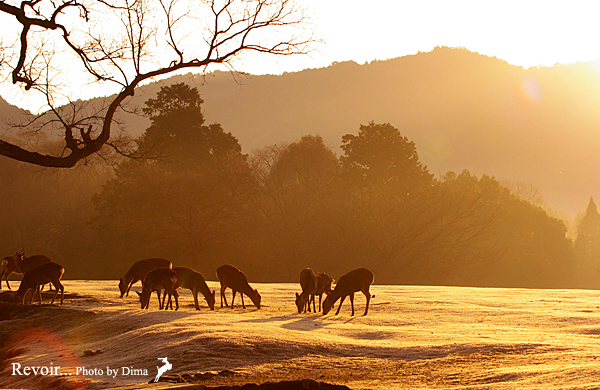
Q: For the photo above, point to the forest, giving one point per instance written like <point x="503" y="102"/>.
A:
<point x="189" y="194"/>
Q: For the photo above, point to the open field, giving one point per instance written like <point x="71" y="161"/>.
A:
<point x="414" y="337"/>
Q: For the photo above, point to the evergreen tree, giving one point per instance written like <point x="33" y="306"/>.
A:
<point x="191" y="201"/>
<point x="379" y="154"/>
<point x="587" y="246"/>
<point x="178" y="134"/>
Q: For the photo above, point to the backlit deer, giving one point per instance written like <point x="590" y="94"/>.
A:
<point x="308" y="282"/>
<point x="192" y="280"/>
<point x="156" y="280"/>
<point x="40" y="275"/>
<point x="358" y="280"/>
<point x="137" y="272"/>
<point x="20" y="264"/>
<point x="236" y="280"/>
<point x="324" y="283"/>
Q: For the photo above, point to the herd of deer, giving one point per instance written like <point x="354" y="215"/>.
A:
<point x="158" y="275"/>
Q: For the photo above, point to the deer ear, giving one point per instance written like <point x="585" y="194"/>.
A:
<point x="297" y="296"/>
<point x="213" y="293"/>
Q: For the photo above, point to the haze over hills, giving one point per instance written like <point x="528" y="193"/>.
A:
<point x="463" y="110"/>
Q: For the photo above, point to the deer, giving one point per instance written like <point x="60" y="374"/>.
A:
<point x="358" y="280"/>
<point x="163" y="278"/>
<point x="308" y="282"/>
<point x="192" y="280"/>
<point x="20" y="264"/>
<point x="324" y="283"/>
<point x="40" y="275"/>
<point x="137" y="272"/>
<point x="231" y="277"/>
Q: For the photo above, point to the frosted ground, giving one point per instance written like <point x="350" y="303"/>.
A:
<point x="413" y="338"/>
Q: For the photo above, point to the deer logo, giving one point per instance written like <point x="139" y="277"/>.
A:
<point x="163" y="369"/>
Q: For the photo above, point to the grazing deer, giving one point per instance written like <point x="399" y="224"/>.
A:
<point x="159" y="279"/>
<point x="236" y="280"/>
<point x="137" y="272"/>
<point x="40" y="275"/>
<point x="308" y="282"/>
<point x="20" y="264"/>
<point x="192" y="280"/>
<point x="358" y="280"/>
<point x="324" y="283"/>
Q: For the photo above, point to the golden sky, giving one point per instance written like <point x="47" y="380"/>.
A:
<point x="523" y="32"/>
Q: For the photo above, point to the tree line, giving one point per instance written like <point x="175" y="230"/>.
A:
<point x="190" y="195"/>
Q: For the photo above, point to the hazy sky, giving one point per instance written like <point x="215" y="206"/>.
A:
<point x="524" y="32"/>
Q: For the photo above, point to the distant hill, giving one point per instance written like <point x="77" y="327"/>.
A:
<point x="8" y="112"/>
<point x="463" y="110"/>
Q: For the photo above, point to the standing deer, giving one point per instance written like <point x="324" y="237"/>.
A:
<point x="236" y="280"/>
<point x="324" y="283"/>
<point x="358" y="280"/>
<point x="20" y="264"/>
<point x="40" y="275"/>
<point x="308" y="282"/>
<point x="192" y="280"/>
<point x="137" y="272"/>
<point x="159" y="279"/>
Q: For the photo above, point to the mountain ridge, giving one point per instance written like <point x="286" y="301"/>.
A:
<point x="462" y="109"/>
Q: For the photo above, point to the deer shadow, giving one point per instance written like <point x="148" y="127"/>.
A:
<point x="294" y="321"/>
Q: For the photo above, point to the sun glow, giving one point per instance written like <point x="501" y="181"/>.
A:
<point x="528" y="34"/>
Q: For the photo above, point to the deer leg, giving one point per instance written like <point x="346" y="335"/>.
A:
<point x="195" y="294"/>
<point x="163" y="299"/>
<point x="313" y="301"/>
<point x="33" y="290"/>
<point x="233" y="297"/>
<point x="39" y="291"/>
<point x="352" y="303"/>
<point x="4" y="275"/>
<point x="129" y="287"/>
<point x="340" y="306"/>
<point x="56" y="293"/>
<point x="169" y="301"/>
<point x="159" y="302"/>
<point x="243" y="306"/>
<point x="320" y="296"/>
<point x="176" y="295"/>
<point x="62" y="292"/>
<point x="368" y="295"/>
<point x="223" y="297"/>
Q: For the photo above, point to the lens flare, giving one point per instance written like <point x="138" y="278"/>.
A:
<point x="55" y="342"/>
<point x="531" y="90"/>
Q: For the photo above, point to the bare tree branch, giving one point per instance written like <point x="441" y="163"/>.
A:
<point x="120" y="42"/>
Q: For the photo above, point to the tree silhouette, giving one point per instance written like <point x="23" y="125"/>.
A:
<point x="379" y="154"/>
<point x="177" y="133"/>
<point x="122" y="43"/>
<point x="193" y="198"/>
<point x="587" y="246"/>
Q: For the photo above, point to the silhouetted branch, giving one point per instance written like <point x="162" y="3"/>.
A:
<point x="131" y="53"/>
